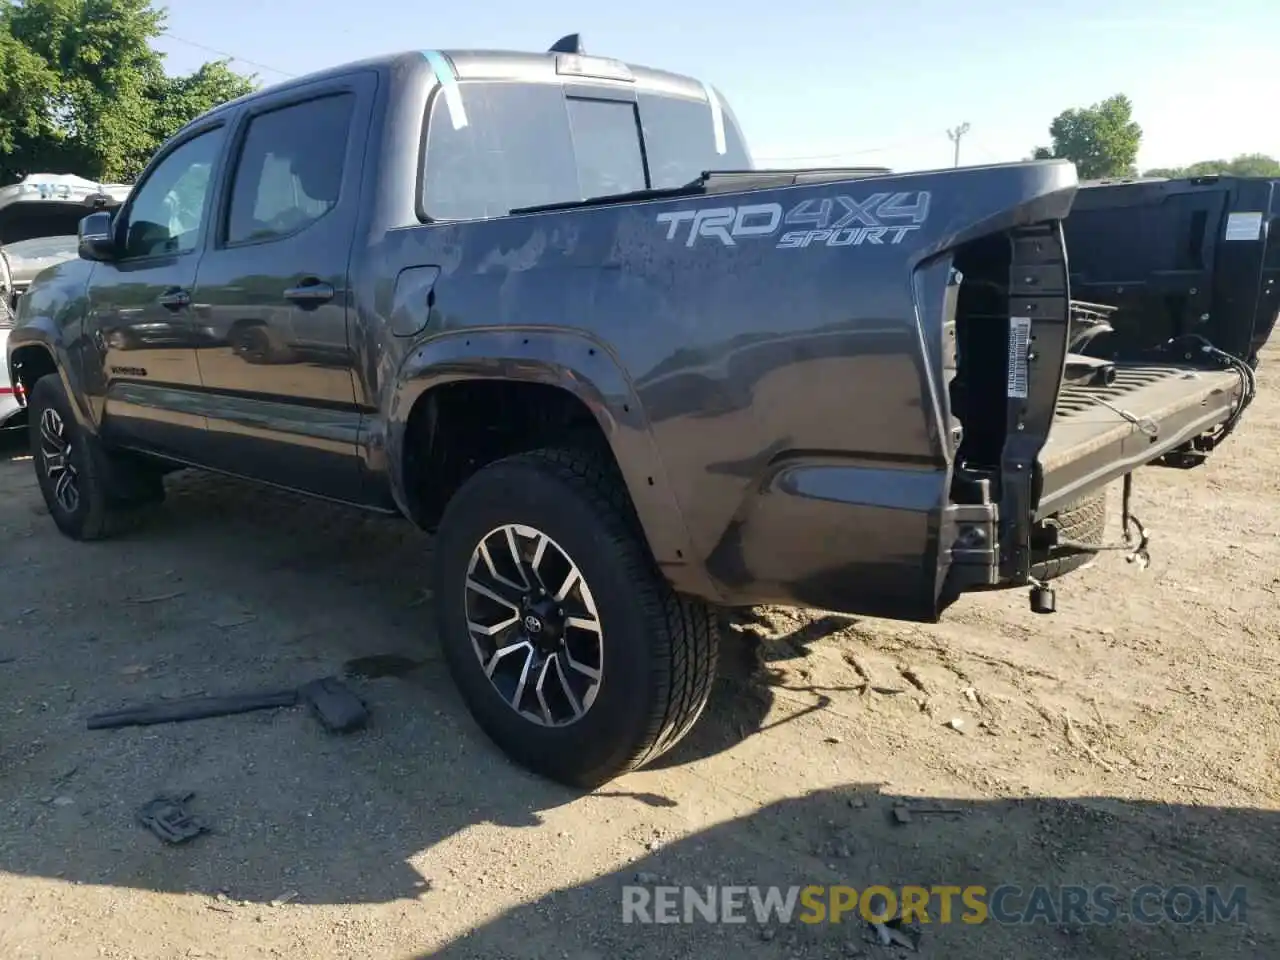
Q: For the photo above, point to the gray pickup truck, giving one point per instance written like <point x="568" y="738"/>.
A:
<point x="542" y="305"/>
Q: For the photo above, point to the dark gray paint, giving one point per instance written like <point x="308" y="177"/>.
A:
<point x="780" y="416"/>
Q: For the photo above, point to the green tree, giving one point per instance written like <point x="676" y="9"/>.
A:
<point x="82" y="89"/>
<point x="27" y="120"/>
<point x="182" y="99"/>
<point x="1245" y="165"/>
<point x="1101" y="140"/>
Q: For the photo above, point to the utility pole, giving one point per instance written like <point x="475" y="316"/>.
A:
<point x="955" y="135"/>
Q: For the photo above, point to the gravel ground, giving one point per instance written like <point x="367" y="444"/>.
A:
<point x="1132" y="738"/>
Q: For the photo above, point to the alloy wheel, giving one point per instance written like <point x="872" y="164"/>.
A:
<point x="534" y="625"/>
<point x="55" y="453"/>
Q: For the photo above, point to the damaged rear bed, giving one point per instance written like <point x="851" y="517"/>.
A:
<point x="1054" y="398"/>
<point x="1183" y="279"/>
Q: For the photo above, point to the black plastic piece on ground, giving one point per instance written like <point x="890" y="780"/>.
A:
<point x="196" y="708"/>
<point x="1043" y="600"/>
<point x="166" y="817"/>
<point x="334" y="705"/>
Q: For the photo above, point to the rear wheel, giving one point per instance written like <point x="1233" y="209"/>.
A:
<point x="570" y="649"/>
<point x="89" y="493"/>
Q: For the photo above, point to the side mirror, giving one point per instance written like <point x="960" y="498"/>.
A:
<point x="96" y="236"/>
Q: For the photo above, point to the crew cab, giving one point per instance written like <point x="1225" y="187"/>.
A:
<point x="543" y="305"/>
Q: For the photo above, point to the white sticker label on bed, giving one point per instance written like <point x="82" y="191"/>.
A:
<point x="1019" y="346"/>
<point x="1244" y="226"/>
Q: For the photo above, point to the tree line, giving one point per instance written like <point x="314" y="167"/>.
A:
<point x="1102" y="140"/>
<point x="84" y="91"/>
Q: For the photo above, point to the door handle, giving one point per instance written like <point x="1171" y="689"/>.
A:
<point x="175" y="298"/>
<point x="310" y="293"/>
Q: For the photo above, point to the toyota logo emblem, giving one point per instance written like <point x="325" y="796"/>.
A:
<point x="532" y="624"/>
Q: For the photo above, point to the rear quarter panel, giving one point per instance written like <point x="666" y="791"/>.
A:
<point x="789" y="389"/>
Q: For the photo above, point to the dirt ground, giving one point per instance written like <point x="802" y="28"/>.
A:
<point x="1131" y="738"/>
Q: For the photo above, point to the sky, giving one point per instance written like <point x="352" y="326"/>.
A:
<point x="812" y="83"/>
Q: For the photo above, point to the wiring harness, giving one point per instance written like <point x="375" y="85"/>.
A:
<point x="1136" y="539"/>
<point x="1248" y="380"/>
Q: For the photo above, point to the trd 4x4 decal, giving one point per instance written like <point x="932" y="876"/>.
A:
<point x="837" y="221"/>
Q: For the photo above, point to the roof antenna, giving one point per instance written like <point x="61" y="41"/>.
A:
<point x="570" y="43"/>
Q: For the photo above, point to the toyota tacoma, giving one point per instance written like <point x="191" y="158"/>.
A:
<point x="542" y="305"/>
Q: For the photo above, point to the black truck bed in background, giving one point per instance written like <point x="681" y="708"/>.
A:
<point x="1179" y="264"/>
<point x="1195" y="256"/>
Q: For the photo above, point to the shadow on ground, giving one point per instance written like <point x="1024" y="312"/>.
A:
<point x="852" y="837"/>
<point x="742" y="699"/>
<point x="13" y="442"/>
<point x="233" y="588"/>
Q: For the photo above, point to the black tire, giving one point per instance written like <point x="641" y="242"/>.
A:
<point x="110" y="491"/>
<point x="660" y="649"/>
<point x="1082" y="521"/>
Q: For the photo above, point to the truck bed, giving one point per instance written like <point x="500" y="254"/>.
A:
<point x="1093" y="441"/>
<point x="1198" y="255"/>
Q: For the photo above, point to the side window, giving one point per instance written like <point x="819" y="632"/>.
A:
<point x="679" y="138"/>
<point x="606" y="142"/>
<point x="289" y="172"/>
<point x="515" y="150"/>
<point x="168" y="208"/>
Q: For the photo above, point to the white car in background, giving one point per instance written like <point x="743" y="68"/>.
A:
<point x="38" y="220"/>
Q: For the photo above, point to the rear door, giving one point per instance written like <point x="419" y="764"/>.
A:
<point x="273" y="293"/>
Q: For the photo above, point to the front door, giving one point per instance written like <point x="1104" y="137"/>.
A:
<point x="273" y="293"/>
<point x="140" y="323"/>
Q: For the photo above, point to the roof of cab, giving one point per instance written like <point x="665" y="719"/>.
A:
<point x="484" y="65"/>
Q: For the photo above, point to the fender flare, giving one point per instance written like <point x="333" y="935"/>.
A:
<point x="586" y="368"/>
<point x="37" y="336"/>
<point x="54" y="315"/>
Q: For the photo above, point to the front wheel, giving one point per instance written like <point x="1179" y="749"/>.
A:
<point x="89" y="494"/>
<point x="570" y="649"/>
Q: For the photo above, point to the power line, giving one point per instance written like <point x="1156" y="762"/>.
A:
<point x="228" y="56"/>
<point x="843" y="154"/>
<point x="992" y="155"/>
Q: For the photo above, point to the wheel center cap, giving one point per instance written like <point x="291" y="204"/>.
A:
<point x="542" y="623"/>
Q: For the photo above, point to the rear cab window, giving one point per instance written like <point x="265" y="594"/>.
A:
<point x="680" y="140"/>
<point x="606" y="146"/>
<point x="527" y="144"/>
